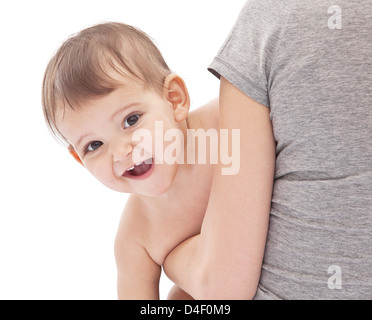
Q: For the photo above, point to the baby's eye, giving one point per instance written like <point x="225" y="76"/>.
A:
<point x="92" y="146"/>
<point x="131" y="120"/>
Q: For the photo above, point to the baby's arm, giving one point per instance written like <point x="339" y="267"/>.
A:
<point x="137" y="274"/>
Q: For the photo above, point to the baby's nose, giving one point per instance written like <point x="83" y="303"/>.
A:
<point x="121" y="150"/>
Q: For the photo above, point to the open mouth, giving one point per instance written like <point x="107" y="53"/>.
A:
<point x="139" y="170"/>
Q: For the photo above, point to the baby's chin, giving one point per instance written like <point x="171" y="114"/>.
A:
<point x="160" y="182"/>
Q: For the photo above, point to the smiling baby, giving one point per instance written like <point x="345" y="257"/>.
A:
<point x="106" y="93"/>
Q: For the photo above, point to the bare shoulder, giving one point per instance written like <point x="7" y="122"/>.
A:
<point x="206" y="116"/>
<point x="131" y="230"/>
<point x="137" y="274"/>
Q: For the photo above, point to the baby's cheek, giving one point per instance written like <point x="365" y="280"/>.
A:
<point x="100" y="170"/>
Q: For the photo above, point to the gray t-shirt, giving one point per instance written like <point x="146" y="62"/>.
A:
<point x="311" y="63"/>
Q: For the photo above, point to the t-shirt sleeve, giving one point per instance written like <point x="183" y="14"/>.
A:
<point x="248" y="54"/>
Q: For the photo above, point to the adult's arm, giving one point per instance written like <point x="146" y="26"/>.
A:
<point x="224" y="260"/>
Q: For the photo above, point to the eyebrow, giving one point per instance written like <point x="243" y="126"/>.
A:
<point x="122" y="109"/>
<point x="111" y="118"/>
<point x="81" y="139"/>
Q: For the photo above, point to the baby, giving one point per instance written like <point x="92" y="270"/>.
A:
<point x="111" y="98"/>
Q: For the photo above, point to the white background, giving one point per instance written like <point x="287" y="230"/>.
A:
<point x="57" y="223"/>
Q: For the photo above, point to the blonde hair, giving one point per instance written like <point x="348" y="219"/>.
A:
<point x="92" y="64"/>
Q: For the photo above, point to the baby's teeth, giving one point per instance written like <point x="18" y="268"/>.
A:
<point x="149" y="161"/>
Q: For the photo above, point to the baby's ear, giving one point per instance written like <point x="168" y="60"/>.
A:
<point x="177" y="94"/>
<point x="72" y="151"/>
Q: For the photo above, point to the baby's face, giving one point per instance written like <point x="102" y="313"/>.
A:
<point x="101" y="133"/>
